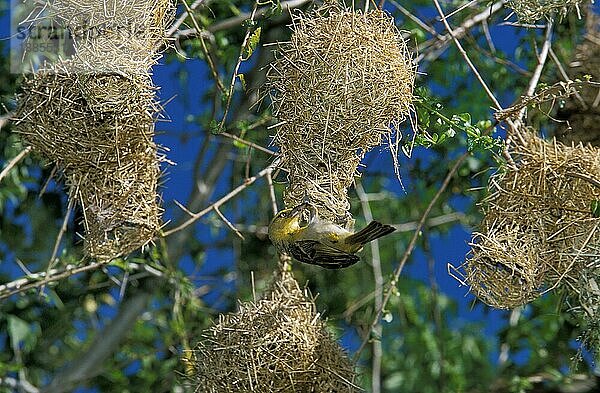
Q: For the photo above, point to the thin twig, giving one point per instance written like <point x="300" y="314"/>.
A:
<point x="228" y="223"/>
<point x="415" y="19"/>
<point x="14" y="161"/>
<point x="195" y="216"/>
<point x="462" y="7"/>
<point x="378" y="278"/>
<point x="63" y="229"/>
<point x="566" y="78"/>
<point x="272" y="193"/>
<point x="248" y="143"/>
<point x="431" y="49"/>
<point x="209" y="59"/>
<point x="173" y="28"/>
<point x="249" y="31"/>
<point x="466" y="56"/>
<point x="488" y="36"/>
<point x="239" y="19"/>
<point x="537" y="73"/>
<point x="409" y="249"/>
<point x="36" y="280"/>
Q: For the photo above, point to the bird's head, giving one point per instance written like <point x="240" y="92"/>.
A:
<point x="288" y="222"/>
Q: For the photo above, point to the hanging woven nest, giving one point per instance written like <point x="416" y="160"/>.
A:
<point x="93" y="116"/>
<point x="339" y="87"/>
<point x="531" y="11"/>
<point x="275" y="344"/>
<point x="540" y="227"/>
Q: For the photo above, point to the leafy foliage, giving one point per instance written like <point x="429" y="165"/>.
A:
<point x="432" y="339"/>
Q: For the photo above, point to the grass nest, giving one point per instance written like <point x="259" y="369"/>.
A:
<point x="134" y="22"/>
<point x="339" y="87"/>
<point x="540" y="226"/>
<point x="275" y="344"/>
<point x="93" y="116"/>
<point x="531" y="11"/>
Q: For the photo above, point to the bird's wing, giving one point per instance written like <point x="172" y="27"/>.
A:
<point x="316" y="253"/>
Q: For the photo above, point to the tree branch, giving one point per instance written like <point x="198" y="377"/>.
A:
<point x="14" y="161"/>
<point x="90" y="365"/>
<point x="409" y="249"/>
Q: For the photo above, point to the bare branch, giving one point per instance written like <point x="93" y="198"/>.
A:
<point x="36" y="280"/>
<point x="466" y="56"/>
<point x="248" y="143"/>
<point x="537" y="73"/>
<point x="209" y="59"/>
<point x="433" y="48"/>
<point x="173" y="28"/>
<point x="14" y="161"/>
<point x="60" y="235"/>
<point x="236" y="21"/>
<point x="228" y="223"/>
<point x="409" y="249"/>
<point x="378" y="277"/>
<point x="418" y="21"/>
<point x="18" y="385"/>
<point x="566" y="78"/>
<point x="195" y="216"/>
<point x="234" y="76"/>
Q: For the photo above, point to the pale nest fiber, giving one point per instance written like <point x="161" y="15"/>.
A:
<point x="539" y="229"/>
<point x="275" y="344"/>
<point x="93" y="116"/>
<point x="340" y="86"/>
<point x="531" y="11"/>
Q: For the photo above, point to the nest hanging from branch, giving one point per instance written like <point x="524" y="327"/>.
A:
<point x="540" y="228"/>
<point x="531" y="11"/>
<point x="276" y="344"/>
<point x="93" y="116"/>
<point x="339" y="87"/>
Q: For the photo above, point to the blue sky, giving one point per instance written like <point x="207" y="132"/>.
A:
<point x="184" y="98"/>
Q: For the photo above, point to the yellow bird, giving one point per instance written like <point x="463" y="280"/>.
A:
<point x="306" y="237"/>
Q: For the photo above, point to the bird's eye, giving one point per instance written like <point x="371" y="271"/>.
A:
<point x="283" y="214"/>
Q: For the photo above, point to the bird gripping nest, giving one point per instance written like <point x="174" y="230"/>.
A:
<point x="340" y="86"/>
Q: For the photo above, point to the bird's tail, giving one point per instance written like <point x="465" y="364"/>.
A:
<point x="369" y="233"/>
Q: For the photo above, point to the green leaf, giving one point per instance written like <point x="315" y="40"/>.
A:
<point x="243" y="80"/>
<point x="596" y="208"/>
<point x="18" y="330"/>
<point x="251" y="44"/>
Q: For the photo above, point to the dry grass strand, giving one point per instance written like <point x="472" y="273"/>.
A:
<point x="275" y="344"/>
<point x="338" y="87"/>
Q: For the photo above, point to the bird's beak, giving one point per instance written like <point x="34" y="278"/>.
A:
<point x="299" y="208"/>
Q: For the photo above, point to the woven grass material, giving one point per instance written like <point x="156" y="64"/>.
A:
<point x="583" y="119"/>
<point x="339" y="87"/>
<point x="539" y="230"/>
<point x="275" y="344"/>
<point x="135" y="22"/>
<point x="531" y="11"/>
<point x="93" y="116"/>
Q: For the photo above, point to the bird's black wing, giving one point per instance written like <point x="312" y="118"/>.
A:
<point x="316" y="253"/>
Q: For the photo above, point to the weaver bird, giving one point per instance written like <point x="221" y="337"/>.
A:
<point x="306" y="237"/>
